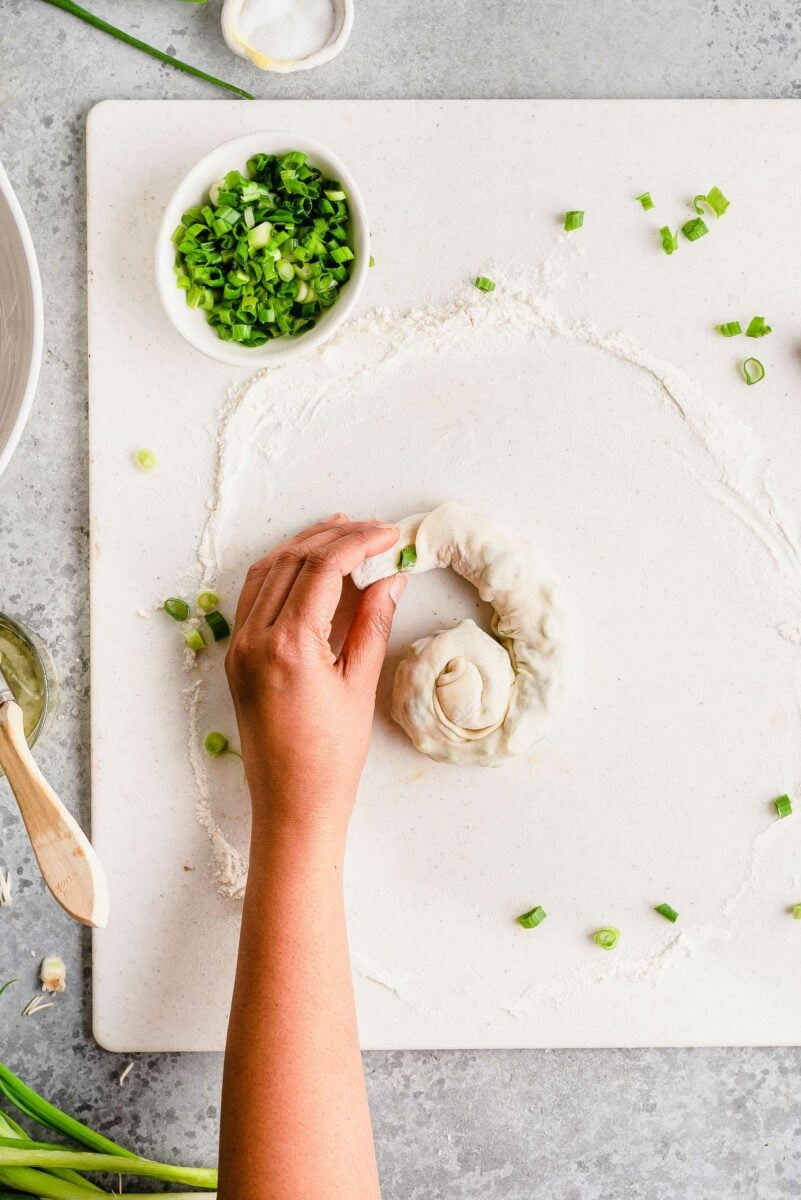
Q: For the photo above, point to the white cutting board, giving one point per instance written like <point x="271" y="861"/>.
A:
<point x="681" y="723"/>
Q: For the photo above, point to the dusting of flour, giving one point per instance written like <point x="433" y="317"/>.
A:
<point x="259" y="418"/>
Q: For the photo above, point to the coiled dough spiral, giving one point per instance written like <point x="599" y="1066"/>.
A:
<point x="461" y="695"/>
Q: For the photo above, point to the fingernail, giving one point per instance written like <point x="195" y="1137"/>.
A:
<point x="398" y="587"/>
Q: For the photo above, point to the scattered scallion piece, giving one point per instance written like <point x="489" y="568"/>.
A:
<point x="372" y="261"/>
<point x="215" y="744"/>
<point x="531" y="919"/>
<point x="218" y="625"/>
<point x="607" y="937"/>
<point x="729" y="328"/>
<point x="407" y="558"/>
<point x="177" y="609"/>
<point x="797" y="912"/>
<point x="194" y="640"/>
<point x="753" y="371"/>
<point x="98" y="23"/>
<point x="757" y="328"/>
<point x="666" y="911"/>
<point x="483" y="284"/>
<point x="670" y="241"/>
<point x="268" y="252"/>
<point x="574" y="219"/>
<point x="208" y="601"/>
<point x="694" y="229"/>
<point x="714" y="200"/>
<point x="145" y="460"/>
<point x="784" y="806"/>
<point x="646" y="201"/>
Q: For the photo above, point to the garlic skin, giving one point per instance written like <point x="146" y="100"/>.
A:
<point x="287" y="35"/>
<point x="53" y="974"/>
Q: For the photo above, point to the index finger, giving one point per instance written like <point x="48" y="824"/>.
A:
<point x="314" y="597"/>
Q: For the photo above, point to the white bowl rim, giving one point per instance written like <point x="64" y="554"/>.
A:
<point x="25" y="402"/>
<point x="193" y="182"/>
<point x="317" y="58"/>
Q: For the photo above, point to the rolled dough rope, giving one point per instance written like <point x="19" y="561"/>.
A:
<point x="461" y="695"/>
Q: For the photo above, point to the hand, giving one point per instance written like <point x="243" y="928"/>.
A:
<point x="304" y="715"/>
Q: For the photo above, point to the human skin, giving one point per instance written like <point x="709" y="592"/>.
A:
<point x="295" y="1120"/>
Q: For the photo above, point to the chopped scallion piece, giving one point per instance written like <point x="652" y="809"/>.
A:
<point x="177" y="609"/>
<point x="757" y="328"/>
<point x="372" y="261"/>
<point x="797" y="912"/>
<point x="145" y="460"/>
<point x="208" y="601"/>
<point x="784" y="806"/>
<point x="574" y="219"/>
<point x="753" y="371"/>
<point x="407" y="558"/>
<point x="694" y="229"/>
<point x="531" y="919"/>
<point x="607" y="937"/>
<point x="646" y="201"/>
<point x="666" y="911"/>
<point x="670" y="241"/>
<point x="729" y="328"/>
<point x="218" y="625"/>
<point x="483" y="284"/>
<point x="714" y="200"/>
<point x="194" y="639"/>
<point x="215" y="744"/>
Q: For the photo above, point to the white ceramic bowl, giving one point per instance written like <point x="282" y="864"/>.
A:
<point x="21" y="321"/>
<point x="235" y="25"/>
<point x="192" y="190"/>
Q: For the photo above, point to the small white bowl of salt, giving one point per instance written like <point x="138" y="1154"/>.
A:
<point x="287" y="35"/>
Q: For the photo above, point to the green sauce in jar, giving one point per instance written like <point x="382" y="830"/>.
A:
<point x="23" y="666"/>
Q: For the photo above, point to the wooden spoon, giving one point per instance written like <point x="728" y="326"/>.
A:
<point x="68" y="863"/>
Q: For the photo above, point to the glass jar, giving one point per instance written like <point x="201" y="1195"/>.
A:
<point x="29" y="669"/>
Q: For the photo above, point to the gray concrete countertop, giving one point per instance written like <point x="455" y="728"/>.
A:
<point x="650" y="1125"/>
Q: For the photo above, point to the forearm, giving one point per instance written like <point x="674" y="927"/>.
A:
<point x="295" y="1120"/>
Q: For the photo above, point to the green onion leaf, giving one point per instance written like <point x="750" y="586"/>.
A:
<point x="714" y="200"/>
<point x="670" y="241"/>
<point x="694" y="229"/>
<point x="84" y="15"/>
<point x="757" y="328"/>
<point x="207" y="601"/>
<point x="145" y="459"/>
<point x="666" y="911"/>
<point x="7" y="985"/>
<point x="753" y="371"/>
<point x="531" y="919"/>
<point x="407" y="558"/>
<point x="784" y="806"/>
<point x="483" y="284"/>
<point x="194" y="640"/>
<point x="607" y="937"/>
<point x="177" y="609"/>
<point x="729" y="328"/>
<point x="574" y="219"/>
<point x="646" y="201"/>
<point x="218" y="625"/>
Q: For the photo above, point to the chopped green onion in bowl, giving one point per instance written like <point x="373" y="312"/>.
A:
<point x="145" y="460"/>
<point x="713" y="200"/>
<point x="729" y="328"/>
<point x="646" y="201"/>
<point x="670" y="240"/>
<point x="574" y="219"/>
<point x="266" y="253"/>
<point x="694" y="229"/>
<point x="784" y="806"/>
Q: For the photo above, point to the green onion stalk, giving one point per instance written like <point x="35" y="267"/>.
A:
<point x="53" y="1171"/>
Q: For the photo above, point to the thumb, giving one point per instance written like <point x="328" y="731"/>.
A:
<point x="366" y="643"/>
